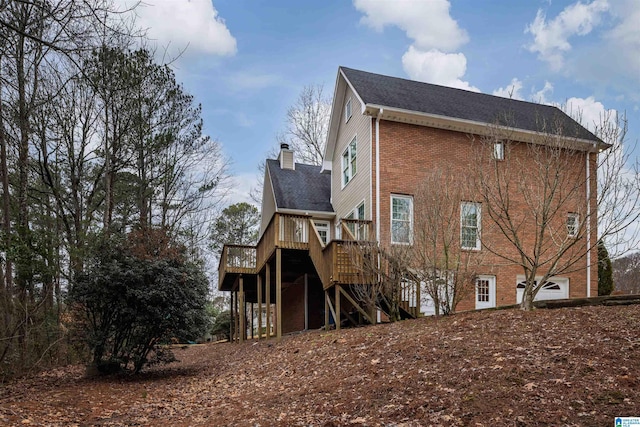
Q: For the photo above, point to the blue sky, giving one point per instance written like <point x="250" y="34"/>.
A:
<point x="247" y="60"/>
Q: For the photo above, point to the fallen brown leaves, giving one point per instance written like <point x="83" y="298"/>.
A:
<point x="573" y="367"/>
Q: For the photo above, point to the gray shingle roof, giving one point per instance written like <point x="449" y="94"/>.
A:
<point x="304" y="188"/>
<point x="428" y="98"/>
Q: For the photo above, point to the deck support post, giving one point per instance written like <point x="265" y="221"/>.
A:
<point x="337" y="298"/>
<point x="279" y="293"/>
<point x="418" y="296"/>
<point x="236" y="324"/>
<point x="374" y="311"/>
<point x="267" y="278"/>
<point x="259" y="279"/>
<point x="243" y="314"/>
<point x="232" y="329"/>
<point x="252" y="326"/>
<point x="327" y="301"/>
<point x="326" y="310"/>
<point x="306" y="301"/>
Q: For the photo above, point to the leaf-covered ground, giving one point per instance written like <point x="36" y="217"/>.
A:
<point x="573" y="366"/>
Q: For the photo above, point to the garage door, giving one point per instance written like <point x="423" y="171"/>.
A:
<point x="555" y="288"/>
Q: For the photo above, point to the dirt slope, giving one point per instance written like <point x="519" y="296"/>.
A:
<point x="577" y="366"/>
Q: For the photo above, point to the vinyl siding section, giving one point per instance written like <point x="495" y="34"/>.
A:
<point x="268" y="201"/>
<point x="357" y="190"/>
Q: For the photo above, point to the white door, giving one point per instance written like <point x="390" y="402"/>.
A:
<point x="555" y="288"/>
<point x="427" y="307"/>
<point x="485" y="292"/>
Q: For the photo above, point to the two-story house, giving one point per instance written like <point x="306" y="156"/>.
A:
<point x="386" y="134"/>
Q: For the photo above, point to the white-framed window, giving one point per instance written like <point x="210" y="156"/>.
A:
<point x="347" y="110"/>
<point x="349" y="162"/>
<point x="573" y="223"/>
<point x="401" y="219"/>
<point x="470" y="216"/>
<point x="498" y="150"/>
<point x="323" y="230"/>
<point x="485" y="291"/>
<point x="359" y="232"/>
<point x="359" y="212"/>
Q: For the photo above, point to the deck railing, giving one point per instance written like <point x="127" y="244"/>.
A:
<point x="350" y="262"/>
<point x="237" y="259"/>
<point x="410" y="297"/>
<point x="284" y="231"/>
<point x="317" y="255"/>
<point x="356" y="229"/>
<point x="335" y="262"/>
<point x="340" y="261"/>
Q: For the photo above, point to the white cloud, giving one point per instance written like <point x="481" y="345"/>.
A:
<point x="428" y="22"/>
<point x="194" y="25"/>
<point x="437" y="67"/>
<point x="513" y="90"/>
<point x="551" y="38"/>
<point x="541" y="96"/>
<point x="589" y="112"/>
<point x="241" y="186"/>
<point x="435" y="35"/>
<point x="625" y="36"/>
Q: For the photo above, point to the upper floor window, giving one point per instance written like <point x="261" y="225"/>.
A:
<point x="349" y="163"/>
<point x="401" y="219"/>
<point x="347" y="110"/>
<point x="470" y="225"/>
<point x="357" y="229"/>
<point x="360" y="211"/>
<point x="573" y="223"/>
<point x="498" y="150"/>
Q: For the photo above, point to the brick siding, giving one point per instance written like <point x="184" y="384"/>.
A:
<point x="407" y="154"/>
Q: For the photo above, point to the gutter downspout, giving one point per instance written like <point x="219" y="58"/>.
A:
<point x="380" y="111"/>
<point x="588" y="226"/>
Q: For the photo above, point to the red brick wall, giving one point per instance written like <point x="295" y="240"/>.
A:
<point x="293" y="305"/>
<point x="293" y="308"/>
<point x="407" y="154"/>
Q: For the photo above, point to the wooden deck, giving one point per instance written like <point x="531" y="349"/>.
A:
<point x="333" y="262"/>
<point x="291" y="248"/>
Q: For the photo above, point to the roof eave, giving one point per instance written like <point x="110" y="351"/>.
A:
<point x="312" y="213"/>
<point x="469" y="126"/>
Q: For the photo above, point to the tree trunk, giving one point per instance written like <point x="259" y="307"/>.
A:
<point x="527" y="298"/>
<point x="22" y="228"/>
<point x="7" y="279"/>
<point x="106" y="223"/>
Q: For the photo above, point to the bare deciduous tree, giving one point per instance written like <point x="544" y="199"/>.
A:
<point x="547" y="202"/>
<point x="626" y="270"/>
<point x="384" y="276"/>
<point x="307" y="125"/>
<point x="438" y="261"/>
<point x="306" y="128"/>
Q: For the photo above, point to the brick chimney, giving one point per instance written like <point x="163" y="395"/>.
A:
<point x="286" y="157"/>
